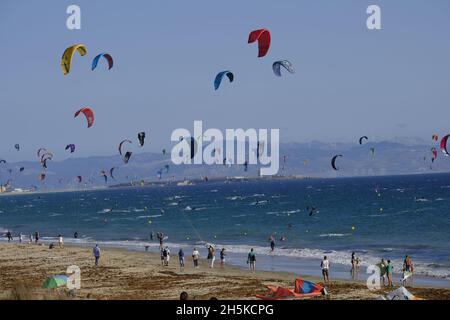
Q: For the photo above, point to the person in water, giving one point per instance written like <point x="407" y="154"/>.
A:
<point x="272" y="243"/>
<point x="75" y="235"/>
<point x="251" y="260"/>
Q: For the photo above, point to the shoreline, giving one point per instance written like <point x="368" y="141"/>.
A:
<point x="126" y="274"/>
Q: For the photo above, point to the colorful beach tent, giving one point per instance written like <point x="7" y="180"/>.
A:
<point x="399" y="294"/>
<point x="303" y="289"/>
<point x="55" y="282"/>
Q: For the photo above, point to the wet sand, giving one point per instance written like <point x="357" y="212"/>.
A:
<point x="126" y="274"/>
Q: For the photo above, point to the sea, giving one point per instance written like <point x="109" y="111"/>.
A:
<point x="375" y="217"/>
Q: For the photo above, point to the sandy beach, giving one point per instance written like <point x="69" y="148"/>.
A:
<point x="126" y="274"/>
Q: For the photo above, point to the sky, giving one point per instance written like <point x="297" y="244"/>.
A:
<point x="349" y="81"/>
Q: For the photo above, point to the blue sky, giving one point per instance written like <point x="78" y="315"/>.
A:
<point x="349" y="81"/>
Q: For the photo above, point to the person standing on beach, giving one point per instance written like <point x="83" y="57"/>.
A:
<point x="251" y="259"/>
<point x="389" y="271"/>
<point x="325" y="265"/>
<point x="353" y="262"/>
<point x="96" y="252"/>
<point x="9" y="236"/>
<point x="181" y="257"/>
<point x="20" y="237"/>
<point x="211" y="256"/>
<point x="222" y="257"/>
<point x="60" y="241"/>
<point x="31" y="239"/>
<point x="382" y="266"/>
<point x="195" y="255"/>
<point x="36" y="237"/>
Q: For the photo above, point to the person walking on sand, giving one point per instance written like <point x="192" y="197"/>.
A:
<point x="389" y="272"/>
<point x="211" y="256"/>
<point x="20" y="237"/>
<point x="161" y="251"/>
<point x="60" y="241"/>
<point x="96" y="252"/>
<point x="251" y="259"/>
<point x="195" y="255"/>
<point x="325" y="265"/>
<point x="166" y="253"/>
<point x="36" y="237"/>
<point x="222" y="257"/>
<point x="181" y="257"/>
<point x="31" y="239"/>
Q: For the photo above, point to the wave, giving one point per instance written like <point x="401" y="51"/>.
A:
<point x="332" y="235"/>
<point x="149" y="216"/>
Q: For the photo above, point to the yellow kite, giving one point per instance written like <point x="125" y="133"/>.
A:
<point x="66" y="60"/>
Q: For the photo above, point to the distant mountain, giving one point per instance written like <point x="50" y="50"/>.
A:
<point x="296" y="159"/>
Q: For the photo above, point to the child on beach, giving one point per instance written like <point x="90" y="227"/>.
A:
<point x="195" y="255"/>
<point x="325" y="265"/>
<point x="251" y="259"/>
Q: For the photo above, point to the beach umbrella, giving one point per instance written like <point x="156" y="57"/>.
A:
<point x="55" y="282"/>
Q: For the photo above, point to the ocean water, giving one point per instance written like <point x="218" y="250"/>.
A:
<point x="376" y="217"/>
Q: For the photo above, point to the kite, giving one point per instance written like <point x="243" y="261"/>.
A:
<point x="333" y="161"/>
<point x="263" y="37"/>
<point x="106" y="56"/>
<point x="121" y="143"/>
<point x="79" y="179"/>
<point x="444" y="145"/>
<point x="88" y="113"/>
<point x="435" y="137"/>
<point x="103" y="174"/>
<point x="21" y="169"/>
<point x="111" y="171"/>
<point x="141" y="138"/>
<point x="276" y="67"/>
<point x="127" y="157"/>
<point x="362" y="138"/>
<point x="17" y="146"/>
<point x="219" y="77"/>
<point x="435" y="154"/>
<point x="71" y="147"/>
<point x="42" y="176"/>
<point x="66" y="60"/>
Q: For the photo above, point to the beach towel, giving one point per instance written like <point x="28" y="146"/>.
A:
<point x="303" y="289"/>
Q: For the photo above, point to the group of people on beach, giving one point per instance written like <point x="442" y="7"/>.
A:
<point x="21" y="238"/>
<point x="387" y="270"/>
